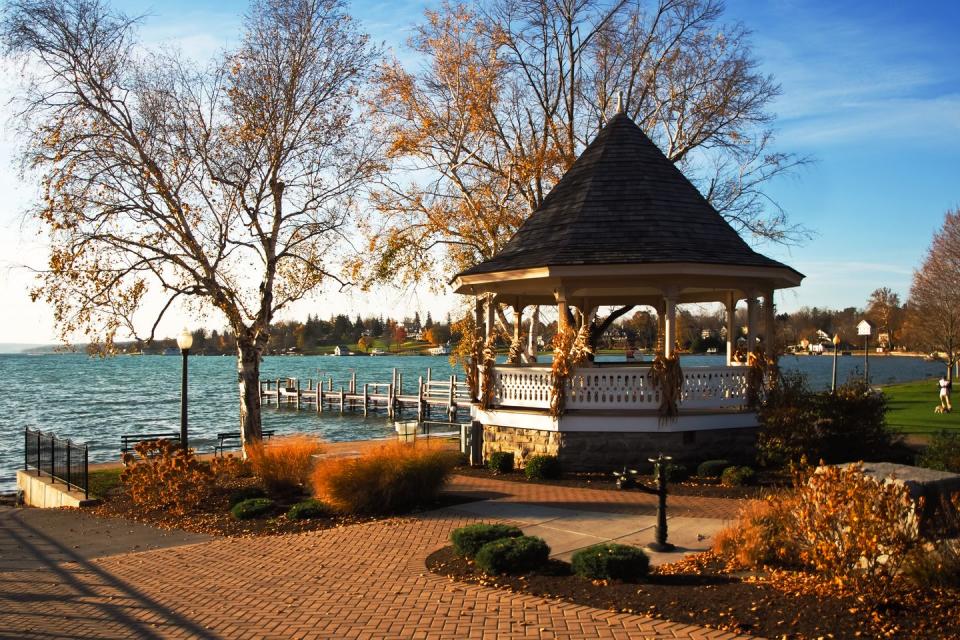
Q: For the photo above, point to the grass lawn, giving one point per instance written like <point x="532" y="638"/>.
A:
<point x="101" y="481"/>
<point x="911" y="406"/>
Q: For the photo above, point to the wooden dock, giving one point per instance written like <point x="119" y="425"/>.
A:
<point x="430" y="398"/>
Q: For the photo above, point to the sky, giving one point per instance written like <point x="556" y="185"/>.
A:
<point x="870" y="90"/>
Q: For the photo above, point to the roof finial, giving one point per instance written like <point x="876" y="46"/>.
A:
<point x="619" y="100"/>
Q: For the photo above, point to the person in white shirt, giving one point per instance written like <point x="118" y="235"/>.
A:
<point x="945" y="387"/>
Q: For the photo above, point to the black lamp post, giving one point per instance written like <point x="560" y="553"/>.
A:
<point x="184" y="341"/>
<point x="836" y="348"/>
<point x="660" y="536"/>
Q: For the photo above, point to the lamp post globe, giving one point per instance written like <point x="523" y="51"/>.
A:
<point x="184" y="341"/>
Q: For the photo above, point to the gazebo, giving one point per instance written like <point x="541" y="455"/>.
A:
<point x="622" y="227"/>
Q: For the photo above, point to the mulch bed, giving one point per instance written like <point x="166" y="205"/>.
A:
<point x="216" y="519"/>
<point x="698" y="487"/>
<point x="699" y="590"/>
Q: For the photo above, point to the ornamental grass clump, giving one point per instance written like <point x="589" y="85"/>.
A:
<point x="468" y="540"/>
<point x="610" y="562"/>
<point x="164" y="477"/>
<point x="283" y="464"/>
<point x="759" y="537"/>
<point x="737" y="476"/>
<point x="393" y="478"/>
<point x="512" y="555"/>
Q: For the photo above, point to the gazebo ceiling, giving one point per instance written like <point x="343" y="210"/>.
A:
<point x="624" y="221"/>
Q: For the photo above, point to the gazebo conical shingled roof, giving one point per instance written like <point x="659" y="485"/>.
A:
<point x="623" y="202"/>
<point x="623" y="226"/>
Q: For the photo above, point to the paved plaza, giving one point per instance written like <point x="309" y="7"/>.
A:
<point x="364" y="581"/>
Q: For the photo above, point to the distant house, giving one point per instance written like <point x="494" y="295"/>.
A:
<point x="342" y="350"/>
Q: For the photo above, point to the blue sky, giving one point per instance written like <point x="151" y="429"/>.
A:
<point x="871" y="90"/>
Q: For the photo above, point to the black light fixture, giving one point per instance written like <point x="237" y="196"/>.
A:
<point x="184" y="341"/>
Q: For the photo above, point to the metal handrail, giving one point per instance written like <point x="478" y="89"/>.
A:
<point x="61" y="459"/>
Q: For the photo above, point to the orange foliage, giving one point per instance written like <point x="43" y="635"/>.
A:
<point x="284" y="463"/>
<point x="162" y="476"/>
<point x="392" y="478"/>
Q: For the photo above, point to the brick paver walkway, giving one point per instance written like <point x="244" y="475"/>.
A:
<point x="366" y="581"/>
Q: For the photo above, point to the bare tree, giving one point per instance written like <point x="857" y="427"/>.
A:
<point x="883" y="308"/>
<point x="513" y="90"/>
<point x="227" y="186"/>
<point x="934" y="305"/>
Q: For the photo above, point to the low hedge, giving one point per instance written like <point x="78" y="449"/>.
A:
<point x="610" y="561"/>
<point x="246" y="493"/>
<point x="512" y="555"/>
<point x="468" y="540"/>
<point x="542" y="467"/>
<point x="500" y="462"/>
<point x="712" y="468"/>
<point x="252" y="508"/>
<point x="307" y="510"/>
<point x="737" y="476"/>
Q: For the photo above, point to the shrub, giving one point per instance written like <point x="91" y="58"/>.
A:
<point x="737" y="476"/>
<point x="162" y="476"/>
<point x="307" y="510"/>
<point x="849" y="526"/>
<point x="935" y="565"/>
<point x="229" y="468"/>
<point x="712" y="468"/>
<point x="252" y="508"/>
<point x="835" y="427"/>
<point x="283" y="464"/>
<point x="610" y="562"/>
<point x="541" y="467"/>
<point x="676" y="472"/>
<point x="759" y="536"/>
<point x="390" y="479"/>
<point x="943" y="452"/>
<point x="512" y="555"/>
<point x="468" y="540"/>
<point x="246" y="493"/>
<point x="500" y="462"/>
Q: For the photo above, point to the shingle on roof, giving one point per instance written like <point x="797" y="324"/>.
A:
<point x="623" y="202"/>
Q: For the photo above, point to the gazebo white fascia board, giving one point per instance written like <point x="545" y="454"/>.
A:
<point x="588" y="421"/>
<point x="630" y="279"/>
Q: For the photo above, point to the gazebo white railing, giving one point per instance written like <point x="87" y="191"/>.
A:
<point x="626" y="388"/>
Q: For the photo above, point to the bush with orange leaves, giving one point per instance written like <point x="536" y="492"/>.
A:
<point x="162" y="476"/>
<point x="839" y="522"/>
<point x="393" y="478"/>
<point x="283" y="464"/>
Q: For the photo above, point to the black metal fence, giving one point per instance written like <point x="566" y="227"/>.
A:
<point x="60" y="459"/>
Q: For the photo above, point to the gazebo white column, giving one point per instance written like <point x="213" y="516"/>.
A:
<point x="751" y="322"/>
<point x="489" y="318"/>
<point x="769" y="322"/>
<point x="531" y="355"/>
<point x="731" y="304"/>
<point x="562" y="309"/>
<point x="669" y="324"/>
<point x="517" y="327"/>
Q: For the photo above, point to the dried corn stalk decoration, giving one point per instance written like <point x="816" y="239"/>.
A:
<point x="756" y="370"/>
<point x="489" y="355"/>
<point x="667" y="378"/>
<point x="516" y="349"/>
<point x="473" y="364"/>
<point x="569" y="350"/>
<point x="560" y="370"/>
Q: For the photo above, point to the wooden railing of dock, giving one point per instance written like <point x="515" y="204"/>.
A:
<point x="446" y="397"/>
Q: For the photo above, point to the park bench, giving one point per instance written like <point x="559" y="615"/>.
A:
<point x="130" y="440"/>
<point x="232" y="439"/>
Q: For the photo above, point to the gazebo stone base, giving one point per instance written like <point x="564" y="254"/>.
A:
<point x="606" y="450"/>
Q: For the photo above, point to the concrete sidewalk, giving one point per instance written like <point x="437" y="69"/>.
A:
<point x="567" y="530"/>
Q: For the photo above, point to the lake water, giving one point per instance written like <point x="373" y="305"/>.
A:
<point x="97" y="400"/>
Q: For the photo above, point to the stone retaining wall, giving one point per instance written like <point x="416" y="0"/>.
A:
<point x="603" y="451"/>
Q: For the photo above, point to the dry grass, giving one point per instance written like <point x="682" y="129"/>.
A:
<point x="284" y="463"/>
<point x="758" y="537"/>
<point x="393" y="478"/>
